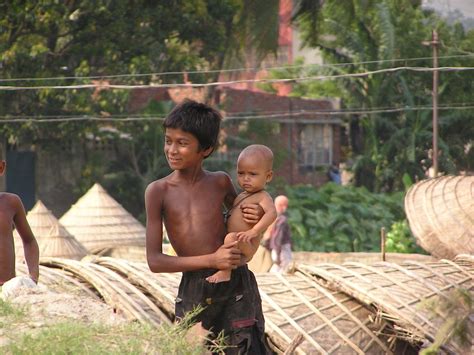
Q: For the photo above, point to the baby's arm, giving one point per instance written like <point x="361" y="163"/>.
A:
<point x="30" y="245"/>
<point x="268" y="217"/>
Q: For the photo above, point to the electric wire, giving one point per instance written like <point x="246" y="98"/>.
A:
<point x="227" y="83"/>
<point x="255" y="69"/>
<point x="277" y="117"/>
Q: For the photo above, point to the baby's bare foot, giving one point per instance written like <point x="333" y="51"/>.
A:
<point x="219" y="276"/>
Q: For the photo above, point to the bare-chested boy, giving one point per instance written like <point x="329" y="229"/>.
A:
<point x="254" y="171"/>
<point x="189" y="201"/>
<point x="12" y="213"/>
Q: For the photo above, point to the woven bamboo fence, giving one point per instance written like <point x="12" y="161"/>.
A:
<point x="441" y="215"/>
<point x="399" y="292"/>
<point x="310" y="257"/>
<point x="53" y="239"/>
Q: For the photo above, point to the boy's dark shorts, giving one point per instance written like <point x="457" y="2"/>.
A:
<point x="234" y="307"/>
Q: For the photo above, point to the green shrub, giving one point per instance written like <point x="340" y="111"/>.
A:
<point x="337" y="218"/>
<point x="401" y="240"/>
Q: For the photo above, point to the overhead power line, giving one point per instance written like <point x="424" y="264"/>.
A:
<point x="267" y="113"/>
<point x="225" y="83"/>
<point x="278" y="117"/>
<point x="255" y="69"/>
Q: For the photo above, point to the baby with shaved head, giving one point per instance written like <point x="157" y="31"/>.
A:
<point x="254" y="171"/>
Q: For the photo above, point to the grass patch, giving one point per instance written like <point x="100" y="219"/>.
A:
<point x="74" y="337"/>
<point x="69" y="338"/>
<point x="10" y="314"/>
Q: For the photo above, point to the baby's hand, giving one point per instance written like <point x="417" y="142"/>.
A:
<point x="247" y="236"/>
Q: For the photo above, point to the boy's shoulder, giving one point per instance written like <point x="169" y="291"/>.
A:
<point x="157" y="183"/>
<point x="9" y="197"/>
<point x="219" y="176"/>
<point x="157" y="187"/>
<point x="10" y="201"/>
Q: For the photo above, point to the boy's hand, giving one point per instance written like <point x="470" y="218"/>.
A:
<point x="252" y="212"/>
<point x="227" y="256"/>
<point x="247" y="236"/>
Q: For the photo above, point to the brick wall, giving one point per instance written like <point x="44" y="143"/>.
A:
<point x="291" y="113"/>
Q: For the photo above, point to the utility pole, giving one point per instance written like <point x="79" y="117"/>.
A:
<point x="435" y="44"/>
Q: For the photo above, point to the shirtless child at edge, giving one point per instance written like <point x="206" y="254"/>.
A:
<point x="12" y="213"/>
<point x="254" y="171"/>
<point x="189" y="201"/>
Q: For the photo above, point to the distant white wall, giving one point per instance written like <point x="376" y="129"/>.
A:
<point x="310" y="55"/>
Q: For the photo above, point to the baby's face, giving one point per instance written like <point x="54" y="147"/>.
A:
<point x="252" y="174"/>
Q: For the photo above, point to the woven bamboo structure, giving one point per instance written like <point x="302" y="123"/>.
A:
<point x="329" y="322"/>
<point x="100" y="222"/>
<point x="53" y="239"/>
<point x="161" y="288"/>
<point x="399" y="292"/>
<point x="308" y="318"/>
<point x="299" y="313"/>
<point x="353" y="308"/>
<point x="441" y="215"/>
<point x="115" y="290"/>
<point x="59" y="280"/>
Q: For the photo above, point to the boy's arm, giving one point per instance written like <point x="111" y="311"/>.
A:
<point x="226" y="257"/>
<point x="267" y="219"/>
<point x="30" y="245"/>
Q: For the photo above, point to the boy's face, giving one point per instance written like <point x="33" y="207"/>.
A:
<point x="182" y="149"/>
<point x="3" y="165"/>
<point x="252" y="174"/>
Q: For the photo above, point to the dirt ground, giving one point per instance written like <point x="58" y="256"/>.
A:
<point x="45" y="307"/>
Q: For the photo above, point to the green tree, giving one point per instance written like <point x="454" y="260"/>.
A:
<point x="374" y="35"/>
<point x="84" y="42"/>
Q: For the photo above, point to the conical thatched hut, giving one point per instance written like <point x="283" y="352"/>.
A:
<point x="99" y="222"/>
<point x="441" y="215"/>
<point x="53" y="239"/>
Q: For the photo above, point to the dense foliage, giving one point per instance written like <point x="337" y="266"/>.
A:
<point x="340" y="218"/>
<point x="362" y="36"/>
<point x="58" y="43"/>
<point x="401" y="240"/>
